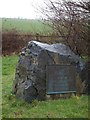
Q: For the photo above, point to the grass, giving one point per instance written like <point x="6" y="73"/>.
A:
<point x="0" y="86"/>
<point x="15" y="108"/>
<point x="25" y="26"/>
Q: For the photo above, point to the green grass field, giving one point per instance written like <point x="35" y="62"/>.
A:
<point x="25" y="26"/>
<point x="14" y="108"/>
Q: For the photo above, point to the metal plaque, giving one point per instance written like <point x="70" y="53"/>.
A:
<point x="60" y="79"/>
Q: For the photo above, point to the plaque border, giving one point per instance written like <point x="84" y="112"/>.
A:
<point x="62" y="92"/>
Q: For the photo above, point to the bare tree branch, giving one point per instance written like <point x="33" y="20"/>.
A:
<point x="69" y="19"/>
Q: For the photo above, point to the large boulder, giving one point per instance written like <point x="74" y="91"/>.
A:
<point x="30" y="77"/>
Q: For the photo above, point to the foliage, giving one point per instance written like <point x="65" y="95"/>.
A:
<point x="75" y="107"/>
<point x="16" y="33"/>
<point x="70" y="20"/>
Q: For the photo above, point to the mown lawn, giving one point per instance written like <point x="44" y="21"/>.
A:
<point x="14" y="108"/>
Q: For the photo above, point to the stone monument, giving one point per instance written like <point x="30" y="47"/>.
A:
<point x="45" y="69"/>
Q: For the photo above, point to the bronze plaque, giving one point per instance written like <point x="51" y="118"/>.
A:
<point x="60" y="79"/>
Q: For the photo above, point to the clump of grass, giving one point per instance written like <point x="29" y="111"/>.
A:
<point x="9" y="64"/>
<point x="34" y="103"/>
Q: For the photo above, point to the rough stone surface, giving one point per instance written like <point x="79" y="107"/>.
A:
<point x="30" y="77"/>
<point x="85" y="75"/>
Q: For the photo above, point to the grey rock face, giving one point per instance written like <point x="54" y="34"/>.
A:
<point x="30" y="77"/>
<point x="85" y="74"/>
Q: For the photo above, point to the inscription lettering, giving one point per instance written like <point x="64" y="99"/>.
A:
<point x="61" y="78"/>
